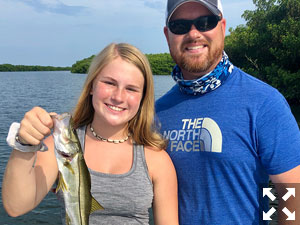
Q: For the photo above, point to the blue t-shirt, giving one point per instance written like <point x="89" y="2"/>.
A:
<point x="224" y="146"/>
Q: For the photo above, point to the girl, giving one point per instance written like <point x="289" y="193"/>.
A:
<point x="130" y="172"/>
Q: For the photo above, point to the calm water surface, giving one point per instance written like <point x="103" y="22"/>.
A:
<point x="54" y="91"/>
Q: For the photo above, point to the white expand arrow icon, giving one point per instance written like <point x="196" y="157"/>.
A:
<point x="291" y="216"/>
<point x="291" y="191"/>
<point x="267" y="191"/>
<point x="267" y="216"/>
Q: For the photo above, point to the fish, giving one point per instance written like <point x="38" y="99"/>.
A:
<point x="73" y="175"/>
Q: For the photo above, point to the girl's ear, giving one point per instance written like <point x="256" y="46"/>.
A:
<point x="91" y="91"/>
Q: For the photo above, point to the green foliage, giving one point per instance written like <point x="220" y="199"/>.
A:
<point x="161" y="64"/>
<point x="296" y="111"/>
<point x="82" y="66"/>
<point x="12" y="68"/>
<point x="268" y="46"/>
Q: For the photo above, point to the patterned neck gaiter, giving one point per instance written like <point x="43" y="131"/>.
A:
<point x="206" y="83"/>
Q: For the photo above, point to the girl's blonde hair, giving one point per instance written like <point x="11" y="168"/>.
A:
<point x="141" y="126"/>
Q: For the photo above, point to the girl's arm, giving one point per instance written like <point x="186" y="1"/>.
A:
<point x="162" y="172"/>
<point x="30" y="175"/>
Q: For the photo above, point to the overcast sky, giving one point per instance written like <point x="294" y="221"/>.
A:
<point x="60" y="32"/>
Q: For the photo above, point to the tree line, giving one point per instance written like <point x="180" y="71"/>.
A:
<point x="13" y="68"/>
<point x="267" y="47"/>
<point x="161" y="64"/>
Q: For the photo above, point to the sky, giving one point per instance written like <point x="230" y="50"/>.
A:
<point x="61" y="32"/>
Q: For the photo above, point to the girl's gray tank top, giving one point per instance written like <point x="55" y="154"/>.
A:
<point x="127" y="197"/>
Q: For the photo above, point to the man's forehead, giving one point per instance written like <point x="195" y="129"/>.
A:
<point x="190" y="7"/>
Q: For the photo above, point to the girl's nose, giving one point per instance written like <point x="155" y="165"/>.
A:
<point x="118" y="95"/>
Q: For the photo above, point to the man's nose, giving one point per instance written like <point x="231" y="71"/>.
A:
<point x="194" y="32"/>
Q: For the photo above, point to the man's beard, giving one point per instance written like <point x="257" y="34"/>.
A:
<point x="198" y="63"/>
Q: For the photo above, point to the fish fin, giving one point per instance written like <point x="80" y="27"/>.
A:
<point x="95" y="206"/>
<point x="61" y="184"/>
<point x="69" y="166"/>
<point x="68" y="221"/>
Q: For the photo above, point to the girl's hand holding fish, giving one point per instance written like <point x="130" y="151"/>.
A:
<point x="35" y="126"/>
<point x="27" y="136"/>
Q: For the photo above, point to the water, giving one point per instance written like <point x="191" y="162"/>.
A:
<point x="54" y="91"/>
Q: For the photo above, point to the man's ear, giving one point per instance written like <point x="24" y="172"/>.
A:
<point x="223" y="24"/>
<point x="166" y="32"/>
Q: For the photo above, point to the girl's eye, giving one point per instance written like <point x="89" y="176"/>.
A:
<point x="108" y="82"/>
<point x="132" y="89"/>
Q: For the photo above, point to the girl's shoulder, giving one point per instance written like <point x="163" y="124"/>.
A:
<point x="157" y="155"/>
<point x="158" y="162"/>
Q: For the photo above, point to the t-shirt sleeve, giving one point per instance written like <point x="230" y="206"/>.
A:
<point x="278" y="135"/>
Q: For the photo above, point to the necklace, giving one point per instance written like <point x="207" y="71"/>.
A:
<point x="107" y="139"/>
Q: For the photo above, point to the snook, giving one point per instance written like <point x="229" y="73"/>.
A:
<point x="74" y="178"/>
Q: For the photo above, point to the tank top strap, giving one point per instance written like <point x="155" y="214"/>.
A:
<point x="81" y="135"/>
<point x="141" y="160"/>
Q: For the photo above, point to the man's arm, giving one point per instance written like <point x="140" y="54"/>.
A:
<point x="289" y="179"/>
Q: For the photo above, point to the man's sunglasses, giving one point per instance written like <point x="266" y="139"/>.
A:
<point x="202" y="23"/>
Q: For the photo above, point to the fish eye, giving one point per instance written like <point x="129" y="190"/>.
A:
<point x="64" y="154"/>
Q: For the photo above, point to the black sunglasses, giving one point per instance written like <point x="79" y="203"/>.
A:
<point x="202" y="23"/>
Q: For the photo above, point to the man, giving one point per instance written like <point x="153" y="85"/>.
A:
<point x="228" y="132"/>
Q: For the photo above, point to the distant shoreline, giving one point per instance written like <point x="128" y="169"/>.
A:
<point x="24" y="68"/>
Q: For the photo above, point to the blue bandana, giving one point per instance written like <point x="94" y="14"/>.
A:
<point x="206" y="83"/>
